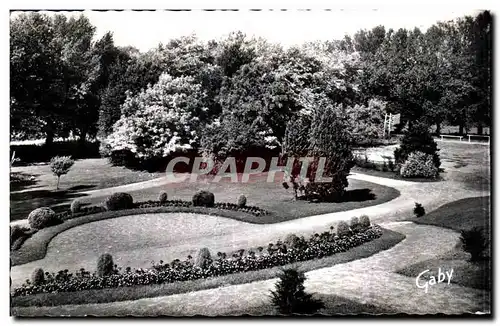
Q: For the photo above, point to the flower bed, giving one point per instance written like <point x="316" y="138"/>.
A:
<point x="169" y="203"/>
<point x="279" y="254"/>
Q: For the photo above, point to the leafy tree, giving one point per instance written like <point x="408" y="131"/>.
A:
<point x="233" y="52"/>
<point x="60" y="165"/>
<point x="367" y="122"/>
<point x="36" y="77"/>
<point x="327" y="137"/>
<point x="161" y="119"/>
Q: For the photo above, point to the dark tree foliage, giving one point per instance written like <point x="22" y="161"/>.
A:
<point x="290" y="298"/>
<point x="417" y="138"/>
<point x="474" y="242"/>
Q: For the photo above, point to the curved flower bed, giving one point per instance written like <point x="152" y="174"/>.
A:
<point x="170" y="203"/>
<point x="279" y="254"/>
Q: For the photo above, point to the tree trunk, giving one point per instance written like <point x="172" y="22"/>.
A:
<point x="438" y="128"/>
<point x="49" y="138"/>
<point x="461" y="129"/>
<point x="480" y="129"/>
<point x="82" y="142"/>
<point x="57" y="186"/>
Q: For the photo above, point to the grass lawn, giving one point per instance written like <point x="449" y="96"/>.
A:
<point x="462" y="162"/>
<point x="462" y="214"/>
<point x="334" y="305"/>
<point x="87" y="174"/>
<point x="36" y="247"/>
<point x="387" y="240"/>
<point x="270" y="196"/>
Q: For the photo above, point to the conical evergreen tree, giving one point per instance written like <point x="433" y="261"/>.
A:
<point x="290" y="297"/>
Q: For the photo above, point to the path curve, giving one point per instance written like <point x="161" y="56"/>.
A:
<point x="371" y="280"/>
<point x="246" y="235"/>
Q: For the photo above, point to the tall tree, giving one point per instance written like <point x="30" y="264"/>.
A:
<point x="37" y="84"/>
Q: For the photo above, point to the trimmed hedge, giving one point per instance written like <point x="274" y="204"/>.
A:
<point x="118" y="201"/>
<point x="204" y="198"/>
<point x="43" y="217"/>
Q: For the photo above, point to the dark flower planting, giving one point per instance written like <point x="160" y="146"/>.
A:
<point x="169" y="203"/>
<point x="277" y="254"/>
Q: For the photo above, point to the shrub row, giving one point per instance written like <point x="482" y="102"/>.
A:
<point x="204" y="266"/>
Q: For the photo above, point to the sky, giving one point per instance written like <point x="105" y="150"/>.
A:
<point x="146" y="29"/>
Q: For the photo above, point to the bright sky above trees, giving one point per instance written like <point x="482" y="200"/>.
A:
<point x="146" y="29"/>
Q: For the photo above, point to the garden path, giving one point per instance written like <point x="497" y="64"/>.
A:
<point x="70" y="249"/>
<point x="371" y="280"/>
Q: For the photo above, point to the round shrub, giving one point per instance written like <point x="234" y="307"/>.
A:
<point x="242" y="201"/>
<point x="42" y="217"/>
<point x="291" y="240"/>
<point x="203" y="259"/>
<point x="419" y="165"/>
<point x="37" y="277"/>
<point x="343" y="229"/>
<point x="419" y="210"/>
<point x="364" y="220"/>
<point x="76" y="206"/>
<point x="119" y="200"/>
<point x="204" y="198"/>
<point x="355" y="225"/>
<point x="163" y="197"/>
<point x="105" y="265"/>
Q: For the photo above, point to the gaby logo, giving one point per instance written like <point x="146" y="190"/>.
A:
<point x="441" y="277"/>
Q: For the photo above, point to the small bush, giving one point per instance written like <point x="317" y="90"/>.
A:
<point x="355" y="225"/>
<point x="42" y="217"/>
<point x="203" y="259"/>
<point x="343" y="229"/>
<point x="364" y="221"/>
<point x="291" y="240"/>
<point x="105" y="265"/>
<point x="119" y="200"/>
<point x="76" y="206"/>
<point x="204" y="198"/>
<point x="60" y="165"/>
<point x="163" y="197"/>
<point x="419" y="210"/>
<point x="419" y="165"/>
<point x="290" y="298"/>
<point x="38" y="276"/>
<point x="242" y="201"/>
<point x="474" y="242"/>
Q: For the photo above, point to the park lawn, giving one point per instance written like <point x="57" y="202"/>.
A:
<point x="459" y="215"/>
<point x="268" y="195"/>
<point x="87" y="174"/>
<point x="387" y="240"/>
<point x="334" y="305"/>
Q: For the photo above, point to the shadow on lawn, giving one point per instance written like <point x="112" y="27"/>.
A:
<point x="354" y="195"/>
<point x="22" y="203"/>
<point x="21" y="181"/>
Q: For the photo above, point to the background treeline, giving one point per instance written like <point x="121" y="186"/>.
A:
<point x="237" y="95"/>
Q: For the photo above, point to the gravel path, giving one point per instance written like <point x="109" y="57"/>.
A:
<point x="370" y="280"/>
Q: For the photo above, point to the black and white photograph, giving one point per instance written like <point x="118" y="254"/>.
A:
<point x="250" y="162"/>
